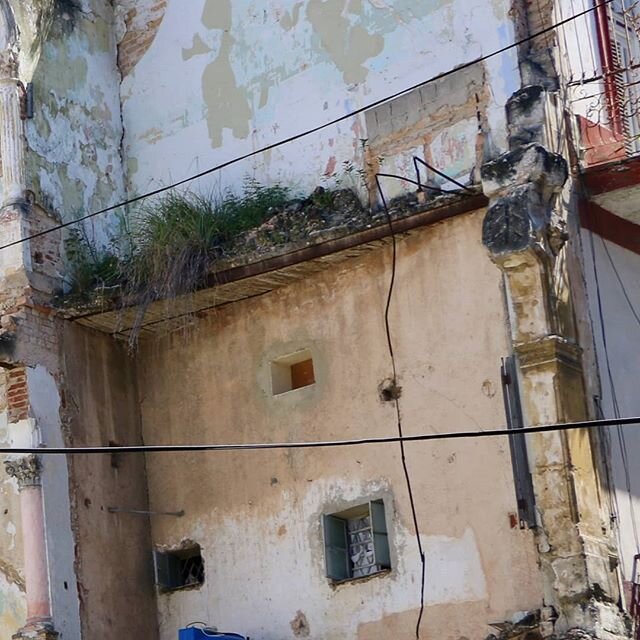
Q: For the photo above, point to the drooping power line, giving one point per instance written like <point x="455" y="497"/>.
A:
<point x="423" y="437"/>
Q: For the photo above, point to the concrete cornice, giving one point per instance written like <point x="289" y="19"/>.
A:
<point x="548" y="350"/>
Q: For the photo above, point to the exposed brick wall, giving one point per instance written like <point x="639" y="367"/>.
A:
<point x="142" y="22"/>
<point x="46" y="261"/>
<point x="17" y="394"/>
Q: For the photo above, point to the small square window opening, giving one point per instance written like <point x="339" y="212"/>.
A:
<point x="179" y="569"/>
<point x="292" y="372"/>
<point x="356" y="542"/>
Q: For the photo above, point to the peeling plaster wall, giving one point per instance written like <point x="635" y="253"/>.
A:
<point x="621" y="331"/>
<point x="443" y="123"/>
<point x="113" y="564"/>
<point x="205" y="81"/>
<point x="257" y="515"/>
<point x="12" y="597"/>
<point x="73" y="161"/>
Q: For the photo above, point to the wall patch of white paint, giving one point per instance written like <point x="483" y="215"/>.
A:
<point x="11" y="530"/>
<point x="455" y="570"/>
<point x="13" y="608"/>
<point x="283" y="554"/>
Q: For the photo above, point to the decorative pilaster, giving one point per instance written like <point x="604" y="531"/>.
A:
<point x="11" y="132"/>
<point x="525" y="237"/>
<point x="43" y="632"/>
<point x="26" y="470"/>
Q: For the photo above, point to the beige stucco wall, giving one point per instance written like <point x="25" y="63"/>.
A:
<point x="257" y="515"/>
<point x="113" y="560"/>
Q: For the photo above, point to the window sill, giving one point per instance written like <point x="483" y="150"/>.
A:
<point x="187" y="587"/>
<point x="289" y="391"/>
<point x="334" y="584"/>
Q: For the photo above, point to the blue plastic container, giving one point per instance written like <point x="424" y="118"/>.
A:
<point x="192" y="633"/>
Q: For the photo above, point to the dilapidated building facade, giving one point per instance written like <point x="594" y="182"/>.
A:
<point x="376" y="219"/>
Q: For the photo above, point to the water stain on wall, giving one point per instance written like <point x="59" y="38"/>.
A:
<point x="290" y="20"/>
<point x="198" y="48"/>
<point x="348" y="44"/>
<point x="227" y="103"/>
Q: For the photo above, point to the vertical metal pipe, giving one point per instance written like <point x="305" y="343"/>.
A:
<point x="607" y="61"/>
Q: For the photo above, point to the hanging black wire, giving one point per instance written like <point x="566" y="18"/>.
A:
<point x="396" y="400"/>
<point x="417" y="160"/>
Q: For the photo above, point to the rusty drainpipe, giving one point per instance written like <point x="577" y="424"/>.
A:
<point x="607" y="62"/>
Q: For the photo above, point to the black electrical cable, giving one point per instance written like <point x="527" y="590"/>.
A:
<point x="417" y="160"/>
<point x="307" y="132"/>
<point x="423" y="437"/>
<point x="396" y="399"/>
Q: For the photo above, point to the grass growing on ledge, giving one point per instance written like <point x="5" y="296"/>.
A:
<point x="176" y="238"/>
<point x="169" y="245"/>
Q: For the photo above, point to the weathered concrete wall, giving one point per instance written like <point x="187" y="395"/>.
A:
<point x="444" y="123"/>
<point x="621" y="330"/>
<point x="205" y="81"/>
<point x="12" y="598"/>
<point x="257" y="516"/>
<point x="113" y="564"/>
<point x="73" y="159"/>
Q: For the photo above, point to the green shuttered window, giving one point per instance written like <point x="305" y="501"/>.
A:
<point x="356" y="542"/>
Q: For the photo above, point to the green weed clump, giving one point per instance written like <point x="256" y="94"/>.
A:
<point x="169" y="244"/>
<point x="91" y="268"/>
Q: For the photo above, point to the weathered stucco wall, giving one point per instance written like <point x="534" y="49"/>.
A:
<point x="205" y="81"/>
<point x="73" y="160"/>
<point x="257" y="515"/>
<point x="113" y="563"/>
<point x="12" y="597"/>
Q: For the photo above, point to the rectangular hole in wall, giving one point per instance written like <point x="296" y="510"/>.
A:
<point x="180" y="568"/>
<point x="292" y="372"/>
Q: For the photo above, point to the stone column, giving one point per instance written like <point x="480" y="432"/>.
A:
<point x="12" y="182"/>
<point x="11" y="132"/>
<point x="39" y="625"/>
<point x="525" y="238"/>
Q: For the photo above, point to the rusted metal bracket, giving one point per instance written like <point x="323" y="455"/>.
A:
<point x="142" y="512"/>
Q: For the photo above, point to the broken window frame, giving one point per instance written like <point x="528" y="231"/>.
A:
<point x="523" y="483"/>
<point x="170" y="565"/>
<point x="339" y="542"/>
